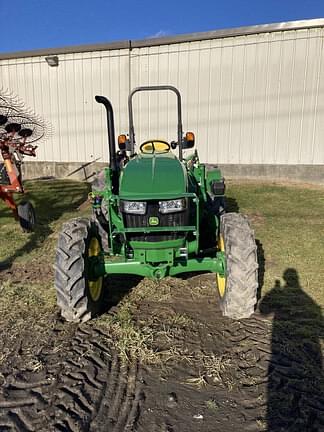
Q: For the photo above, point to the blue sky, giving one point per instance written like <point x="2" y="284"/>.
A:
<point x="33" y="24"/>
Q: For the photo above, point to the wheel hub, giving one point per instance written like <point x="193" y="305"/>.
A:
<point x="95" y="286"/>
<point x="221" y="280"/>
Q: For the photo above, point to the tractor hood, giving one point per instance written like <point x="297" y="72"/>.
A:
<point x="157" y="176"/>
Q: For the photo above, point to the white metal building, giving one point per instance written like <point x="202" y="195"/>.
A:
<point x="254" y="96"/>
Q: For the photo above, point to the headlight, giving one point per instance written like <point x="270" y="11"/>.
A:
<point x="133" y="207"/>
<point x="172" y="205"/>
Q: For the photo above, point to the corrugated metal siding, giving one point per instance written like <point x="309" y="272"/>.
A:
<point x="249" y="99"/>
<point x="64" y="95"/>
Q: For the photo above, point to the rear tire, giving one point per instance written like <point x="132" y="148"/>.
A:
<point x="240" y="296"/>
<point x="27" y="216"/>
<point x="100" y="216"/>
<point x="103" y="229"/>
<point x="78" y="298"/>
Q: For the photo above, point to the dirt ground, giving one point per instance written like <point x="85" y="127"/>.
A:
<point x="163" y="359"/>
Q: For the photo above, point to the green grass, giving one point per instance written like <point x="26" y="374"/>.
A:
<point x="130" y="341"/>
<point x="289" y="223"/>
<point x="55" y="201"/>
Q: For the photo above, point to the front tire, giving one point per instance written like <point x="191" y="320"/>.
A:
<point x="78" y="298"/>
<point x="238" y="290"/>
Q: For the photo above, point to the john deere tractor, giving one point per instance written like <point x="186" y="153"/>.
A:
<point x="155" y="214"/>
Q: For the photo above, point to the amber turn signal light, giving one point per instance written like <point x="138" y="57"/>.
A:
<point x="122" y="142"/>
<point x="190" y="136"/>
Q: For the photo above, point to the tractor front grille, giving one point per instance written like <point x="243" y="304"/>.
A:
<point x="176" y="219"/>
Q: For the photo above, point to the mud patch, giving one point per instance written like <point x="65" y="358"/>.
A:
<point x="257" y="218"/>
<point x="196" y="371"/>
<point x="31" y="272"/>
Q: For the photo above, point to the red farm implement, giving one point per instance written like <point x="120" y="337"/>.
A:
<point x="19" y="129"/>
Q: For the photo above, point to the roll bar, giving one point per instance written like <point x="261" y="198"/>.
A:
<point x="131" y="118"/>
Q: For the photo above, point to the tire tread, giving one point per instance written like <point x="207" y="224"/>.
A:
<point x="242" y="267"/>
<point x="70" y="277"/>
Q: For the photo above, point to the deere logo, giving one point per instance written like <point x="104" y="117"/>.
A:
<point x="153" y="221"/>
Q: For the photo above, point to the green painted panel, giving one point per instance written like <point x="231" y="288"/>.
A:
<point x="153" y="176"/>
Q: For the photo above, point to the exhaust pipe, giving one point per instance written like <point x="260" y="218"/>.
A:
<point x="111" y="140"/>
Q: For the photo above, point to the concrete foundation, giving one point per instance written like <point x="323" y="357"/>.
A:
<point x="86" y="171"/>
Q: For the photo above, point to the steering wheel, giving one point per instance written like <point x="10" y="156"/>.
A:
<point x="155" y="146"/>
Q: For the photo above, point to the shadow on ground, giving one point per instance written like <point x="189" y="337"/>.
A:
<point x="51" y="200"/>
<point x="295" y="384"/>
<point x="116" y="288"/>
<point x="231" y="205"/>
<point x="261" y="269"/>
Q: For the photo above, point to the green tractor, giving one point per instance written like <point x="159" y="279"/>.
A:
<point x="155" y="215"/>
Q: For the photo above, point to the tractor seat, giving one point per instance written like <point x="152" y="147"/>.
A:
<point x="155" y="146"/>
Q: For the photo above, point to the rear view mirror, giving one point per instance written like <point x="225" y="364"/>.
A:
<point x="188" y="141"/>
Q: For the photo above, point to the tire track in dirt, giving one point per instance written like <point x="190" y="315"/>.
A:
<point x="78" y="390"/>
<point x="124" y="396"/>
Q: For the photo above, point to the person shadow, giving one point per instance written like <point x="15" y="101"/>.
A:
<point x="295" y="371"/>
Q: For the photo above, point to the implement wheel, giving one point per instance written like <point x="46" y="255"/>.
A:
<point x="27" y="217"/>
<point x="79" y="298"/>
<point x="238" y="289"/>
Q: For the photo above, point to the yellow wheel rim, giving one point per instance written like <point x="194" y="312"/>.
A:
<point x="221" y="280"/>
<point x="95" y="287"/>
